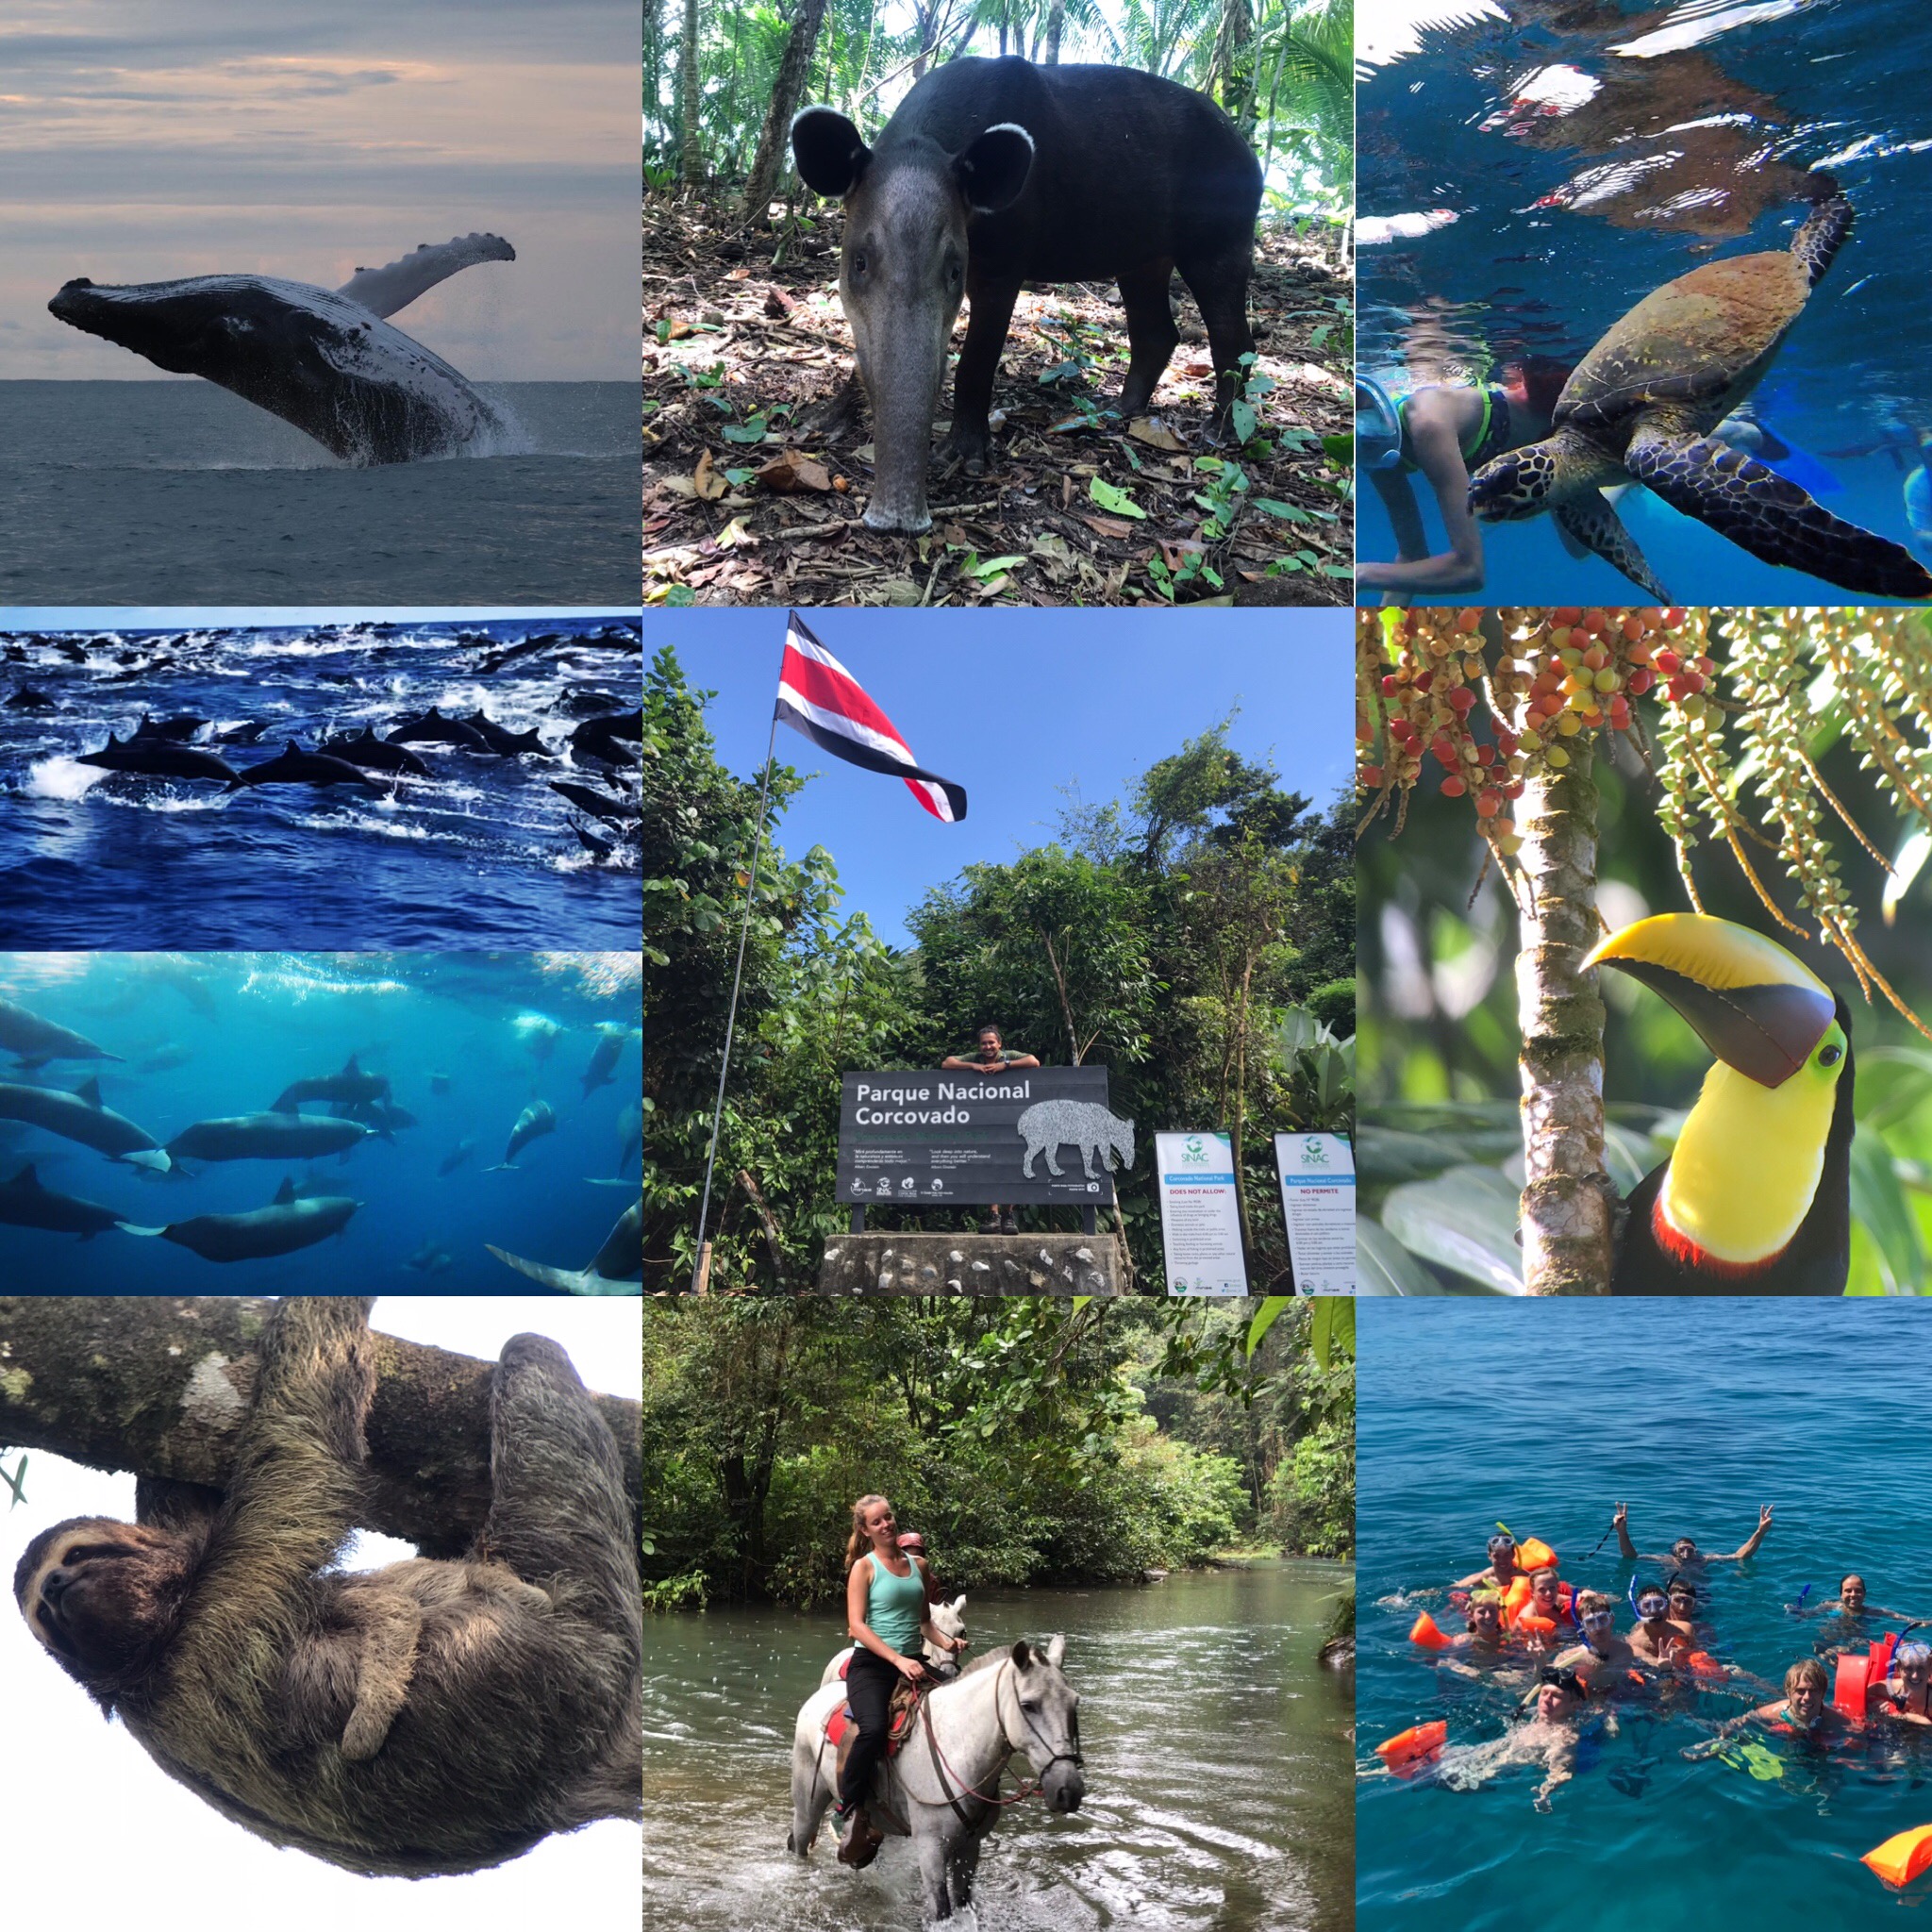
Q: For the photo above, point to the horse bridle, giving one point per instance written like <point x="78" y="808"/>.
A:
<point x="1026" y="1791"/>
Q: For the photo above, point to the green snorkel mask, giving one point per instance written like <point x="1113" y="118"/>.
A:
<point x="1378" y="427"/>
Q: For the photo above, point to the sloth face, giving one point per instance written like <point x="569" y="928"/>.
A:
<point x="93" y="1592"/>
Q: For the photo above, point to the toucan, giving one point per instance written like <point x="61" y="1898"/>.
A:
<point x="1755" y="1198"/>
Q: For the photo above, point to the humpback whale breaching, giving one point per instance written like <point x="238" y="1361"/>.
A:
<point x="322" y="358"/>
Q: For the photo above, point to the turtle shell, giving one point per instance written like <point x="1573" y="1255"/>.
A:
<point x="1702" y="340"/>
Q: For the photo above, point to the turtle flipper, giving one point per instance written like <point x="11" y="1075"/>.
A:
<point x="1594" y="525"/>
<point x="1770" y="517"/>
<point x="1821" y="235"/>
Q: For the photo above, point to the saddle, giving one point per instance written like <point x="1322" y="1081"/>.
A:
<point x="841" y="1731"/>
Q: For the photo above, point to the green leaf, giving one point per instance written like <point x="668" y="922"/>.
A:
<point x="1118" y="501"/>
<point x="1464" y="1221"/>
<point x="1241" y="415"/>
<point x="1879" y="1207"/>
<point x="1332" y="1331"/>
<point x="992" y="567"/>
<point x="1265" y="1317"/>
<point x="1288" y="512"/>
<point x="1339" y="450"/>
<point x="753" y="431"/>
<point x="1384" y="1266"/>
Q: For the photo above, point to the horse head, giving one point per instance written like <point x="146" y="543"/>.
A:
<point x="949" y="1620"/>
<point x="1048" y="1733"/>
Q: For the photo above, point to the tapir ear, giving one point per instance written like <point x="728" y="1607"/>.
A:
<point x="993" y="170"/>
<point x="830" y="152"/>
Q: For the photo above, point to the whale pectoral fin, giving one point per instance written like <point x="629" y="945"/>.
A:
<point x="152" y="1233"/>
<point x="396" y="284"/>
<point x="565" y="1280"/>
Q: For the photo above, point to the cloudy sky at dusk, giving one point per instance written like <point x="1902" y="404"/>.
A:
<point x="146" y="140"/>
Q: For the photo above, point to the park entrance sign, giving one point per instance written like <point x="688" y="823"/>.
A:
<point x="937" y="1140"/>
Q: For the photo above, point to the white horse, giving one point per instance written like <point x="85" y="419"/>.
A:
<point x="949" y="1620"/>
<point x="945" y="1781"/>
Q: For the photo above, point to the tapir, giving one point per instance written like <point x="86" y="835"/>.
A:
<point x="995" y="173"/>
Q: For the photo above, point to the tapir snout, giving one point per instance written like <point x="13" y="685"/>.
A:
<point x="992" y="173"/>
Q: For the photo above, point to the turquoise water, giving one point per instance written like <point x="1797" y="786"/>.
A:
<point x="1588" y="155"/>
<point x="1543" y="1415"/>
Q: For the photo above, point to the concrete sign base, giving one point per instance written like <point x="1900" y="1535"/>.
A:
<point x="974" y="1264"/>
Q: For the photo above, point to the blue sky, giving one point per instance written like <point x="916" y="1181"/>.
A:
<point x="1013" y="704"/>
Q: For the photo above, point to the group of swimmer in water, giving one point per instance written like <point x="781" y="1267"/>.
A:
<point x="1526" y="1626"/>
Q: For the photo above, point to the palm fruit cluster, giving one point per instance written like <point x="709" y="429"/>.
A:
<point x="1438" y="695"/>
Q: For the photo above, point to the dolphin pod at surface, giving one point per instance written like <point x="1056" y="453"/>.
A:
<point x="349" y="1107"/>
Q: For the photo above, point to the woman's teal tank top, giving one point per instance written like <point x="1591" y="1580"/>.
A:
<point x="895" y="1608"/>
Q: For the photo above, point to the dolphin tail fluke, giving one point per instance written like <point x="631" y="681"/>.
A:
<point x="396" y="284"/>
<point x="154" y="1159"/>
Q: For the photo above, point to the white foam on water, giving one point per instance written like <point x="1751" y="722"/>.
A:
<point x="61" y="778"/>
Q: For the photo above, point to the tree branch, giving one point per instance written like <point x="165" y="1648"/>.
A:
<point x="159" y="1384"/>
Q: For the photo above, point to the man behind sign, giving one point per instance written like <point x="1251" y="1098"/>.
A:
<point x="992" y="1057"/>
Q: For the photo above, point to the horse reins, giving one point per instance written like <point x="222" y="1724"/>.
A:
<point x="966" y="1789"/>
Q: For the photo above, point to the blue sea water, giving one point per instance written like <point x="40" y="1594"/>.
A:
<point x="1591" y="153"/>
<point x="1543" y="1415"/>
<point x="178" y="492"/>
<point x="481" y="854"/>
<point x="468" y="1040"/>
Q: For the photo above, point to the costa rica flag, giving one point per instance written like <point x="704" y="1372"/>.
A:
<point x="818" y="696"/>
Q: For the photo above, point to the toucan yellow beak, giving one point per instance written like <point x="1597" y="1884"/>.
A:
<point x="1757" y="1006"/>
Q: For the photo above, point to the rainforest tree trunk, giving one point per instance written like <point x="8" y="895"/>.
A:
<point x="1567" y="1197"/>
<point x="690" y="160"/>
<point x="773" y="141"/>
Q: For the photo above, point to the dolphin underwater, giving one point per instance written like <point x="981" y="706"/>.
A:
<point x="79" y="1116"/>
<point x="25" y="1201"/>
<point x="619" y="1260"/>
<point x="266" y="1137"/>
<point x="288" y="1224"/>
<point x="537" y="1119"/>
<point x="455" y="1157"/>
<point x="159" y="757"/>
<point x="33" y="1042"/>
<point x="351" y="1085"/>
<point x="603" y="1056"/>
<point x="323" y="359"/>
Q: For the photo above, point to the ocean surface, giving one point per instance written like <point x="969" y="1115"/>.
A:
<point x="178" y="492"/>
<point x="1590" y="154"/>
<point x="481" y="854"/>
<point x="1541" y="1416"/>
<point x="468" y="1043"/>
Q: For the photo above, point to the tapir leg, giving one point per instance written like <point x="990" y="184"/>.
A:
<point x="839" y="411"/>
<point x="1151" y="334"/>
<point x="1219" y="286"/>
<point x="989" y="310"/>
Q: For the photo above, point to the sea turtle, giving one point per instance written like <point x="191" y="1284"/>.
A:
<point x="1641" y="405"/>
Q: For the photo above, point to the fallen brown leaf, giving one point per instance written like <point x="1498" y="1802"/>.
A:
<point x="777" y="302"/>
<point x="1109" y="526"/>
<point x="789" y="471"/>
<point x="706" y="482"/>
<point x="1146" y="430"/>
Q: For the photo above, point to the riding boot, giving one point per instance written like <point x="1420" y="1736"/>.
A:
<point x="860" y="1844"/>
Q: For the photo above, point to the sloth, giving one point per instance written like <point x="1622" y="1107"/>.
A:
<point x="431" y="1717"/>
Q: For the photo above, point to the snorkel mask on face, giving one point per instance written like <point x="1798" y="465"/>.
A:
<point x="1378" y="427"/>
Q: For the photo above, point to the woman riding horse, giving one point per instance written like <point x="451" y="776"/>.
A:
<point x="886" y="1612"/>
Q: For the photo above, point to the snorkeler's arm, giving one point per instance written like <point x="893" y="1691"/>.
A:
<point x="1471" y="1581"/>
<point x="1620" y="1522"/>
<point x="1562" y="1763"/>
<point x="1750" y="1544"/>
<point x="1398" y="499"/>
<point x="1435" y="446"/>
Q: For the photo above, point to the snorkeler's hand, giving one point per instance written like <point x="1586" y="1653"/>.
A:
<point x="1542" y="1800"/>
<point x="1764" y="1516"/>
<point x="1622" y="1517"/>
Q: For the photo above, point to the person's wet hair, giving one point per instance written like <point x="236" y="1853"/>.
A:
<point x="1915" y="1656"/>
<point x="1563" y="1680"/>
<point x="1850" y="1577"/>
<point x="1542" y="378"/>
<point x="1588" y="1602"/>
<point x="1807" y="1670"/>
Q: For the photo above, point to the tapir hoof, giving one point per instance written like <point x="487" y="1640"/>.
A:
<point x="909" y="522"/>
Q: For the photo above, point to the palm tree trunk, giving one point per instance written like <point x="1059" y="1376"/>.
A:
<point x="1567" y="1196"/>
<point x="690" y="160"/>
<point x="1056" y="26"/>
<point x="773" y="139"/>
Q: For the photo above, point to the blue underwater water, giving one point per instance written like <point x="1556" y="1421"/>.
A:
<point x="1589" y="154"/>
<point x="468" y="1043"/>
<point x="178" y="492"/>
<point x="1541" y="1415"/>
<point x="481" y="854"/>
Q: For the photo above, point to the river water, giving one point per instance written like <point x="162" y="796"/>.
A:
<point x="1219" y="1761"/>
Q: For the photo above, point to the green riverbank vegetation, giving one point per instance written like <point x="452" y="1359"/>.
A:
<point x="1029" y="1441"/>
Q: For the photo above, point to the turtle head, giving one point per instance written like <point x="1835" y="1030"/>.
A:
<point x="1517" y="483"/>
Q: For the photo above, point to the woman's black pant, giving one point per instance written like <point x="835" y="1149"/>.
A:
<point x="869" y="1684"/>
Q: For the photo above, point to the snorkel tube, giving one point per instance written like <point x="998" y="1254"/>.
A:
<point x="1378" y="427"/>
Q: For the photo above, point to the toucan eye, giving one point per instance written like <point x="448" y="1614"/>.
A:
<point x="1831" y="1056"/>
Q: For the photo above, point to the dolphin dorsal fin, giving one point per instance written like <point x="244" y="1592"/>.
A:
<point x="349" y="1065"/>
<point x="90" y="1092"/>
<point x="28" y="1180"/>
<point x="286" y="1193"/>
<point x="396" y="284"/>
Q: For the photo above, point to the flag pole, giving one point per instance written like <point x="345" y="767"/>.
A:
<point x="701" y="1270"/>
